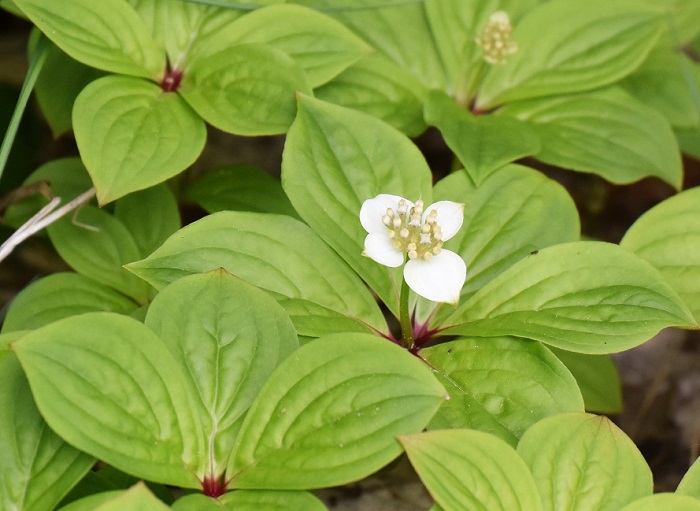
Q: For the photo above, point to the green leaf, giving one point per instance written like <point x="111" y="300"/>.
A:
<point x="500" y="385"/>
<point x="668" y="237"/>
<point x="597" y="378"/>
<point x="66" y="178"/>
<point x="668" y="81"/>
<point x="256" y="500"/>
<point x="399" y="30"/>
<point x="38" y="468"/>
<point x="109" y="480"/>
<point x="606" y="132"/>
<point x="59" y="296"/>
<point x="689" y="141"/>
<point x="334" y="159"/>
<point x="483" y="143"/>
<point x="175" y="25"/>
<point x="138" y="498"/>
<point x="330" y="414"/>
<point x="97" y="245"/>
<point x="59" y="83"/>
<point x="664" y="501"/>
<point x="512" y="213"/>
<point x="91" y="502"/>
<point x="198" y="502"/>
<point x="132" y="135"/>
<point x="582" y="462"/>
<point x="107" y="35"/>
<point x="313" y="320"/>
<point x="109" y="386"/>
<point x="240" y="188"/>
<point x="588" y="297"/>
<point x="274" y="252"/>
<point x="248" y="89"/>
<point x="472" y="470"/>
<point x="690" y="484"/>
<point x="322" y="46"/>
<point x="377" y="86"/>
<point x="252" y="500"/>
<point x="680" y="17"/>
<point x="150" y="215"/>
<point x="564" y="48"/>
<point x="229" y="336"/>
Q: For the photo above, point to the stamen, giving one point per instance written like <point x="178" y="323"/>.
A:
<point x="386" y="220"/>
<point x="403" y="207"/>
<point x="404" y="233"/>
<point x="427" y="256"/>
<point x="397" y="223"/>
<point x="425" y="238"/>
<point x="412" y="254"/>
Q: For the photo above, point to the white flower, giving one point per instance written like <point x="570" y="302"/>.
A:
<point x="397" y="226"/>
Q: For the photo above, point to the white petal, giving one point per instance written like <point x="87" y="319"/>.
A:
<point x="440" y="279"/>
<point x="373" y="210"/>
<point x="379" y="247"/>
<point x="450" y="217"/>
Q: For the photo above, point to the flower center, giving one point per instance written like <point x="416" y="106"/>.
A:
<point x="409" y="232"/>
<point x="495" y="38"/>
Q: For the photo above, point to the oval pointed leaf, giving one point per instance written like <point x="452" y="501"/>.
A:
<point x="690" y="484"/>
<point x="175" y="25"/>
<point x="668" y="236"/>
<point x="330" y="414"/>
<point x="597" y="378"/>
<point x="584" y="48"/>
<point x="137" y="498"/>
<point x="377" y="86"/>
<point x="566" y="453"/>
<point x="589" y="297"/>
<point x="399" y="30"/>
<point x="97" y="245"/>
<point x="500" y="385"/>
<point x="59" y="296"/>
<point x="274" y="252"/>
<point x="107" y="35"/>
<point x="482" y="143"/>
<point x="664" y="501"/>
<point x="38" y="467"/>
<point x="59" y="83"/>
<point x="334" y="159"/>
<point x="248" y="89"/>
<point x="322" y="46"/>
<point x="240" y="188"/>
<point x="512" y="213"/>
<point x="465" y="469"/>
<point x="606" y="132"/>
<point x="255" y="500"/>
<point x="313" y="320"/>
<point x="132" y="135"/>
<point x="108" y="385"/>
<point x="229" y="336"/>
<point x="668" y="82"/>
<point x="150" y="215"/>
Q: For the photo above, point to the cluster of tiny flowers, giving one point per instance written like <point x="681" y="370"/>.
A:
<point x="420" y="239"/>
<point x="495" y="38"/>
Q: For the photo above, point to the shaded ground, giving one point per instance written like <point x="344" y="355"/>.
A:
<point x="661" y="379"/>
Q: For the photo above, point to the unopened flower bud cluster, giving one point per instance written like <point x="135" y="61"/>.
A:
<point x="495" y="38"/>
